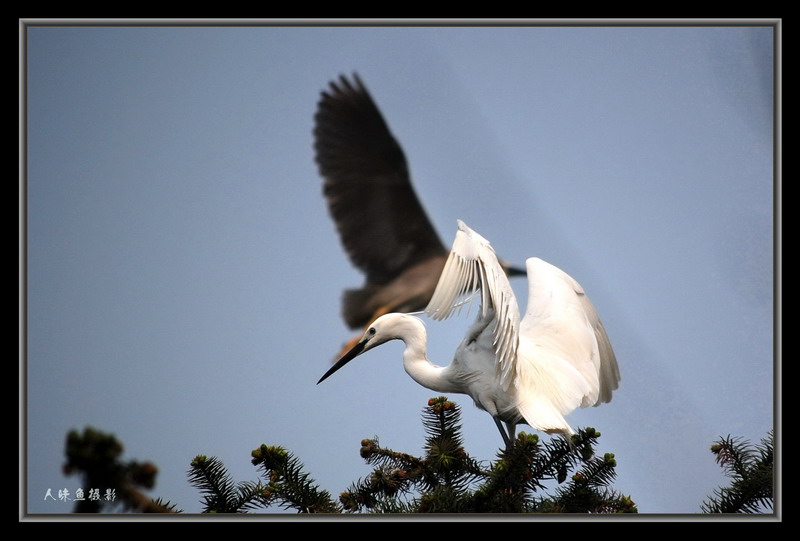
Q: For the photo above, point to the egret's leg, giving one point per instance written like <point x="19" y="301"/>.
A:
<point x="512" y="431"/>
<point x="502" y="431"/>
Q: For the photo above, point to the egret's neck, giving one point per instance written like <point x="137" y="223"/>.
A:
<point x="424" y="372"/>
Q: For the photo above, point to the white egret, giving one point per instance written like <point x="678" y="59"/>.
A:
<point x="379" y="218"/>
<point x="533" y="371"/>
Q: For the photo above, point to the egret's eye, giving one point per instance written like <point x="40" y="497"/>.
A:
<point x="371" y="331"/>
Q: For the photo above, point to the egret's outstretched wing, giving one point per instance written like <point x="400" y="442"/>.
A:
<point x="565" y="358"/>
<point x="382" y="224"/>
<point x="473" y="266"/>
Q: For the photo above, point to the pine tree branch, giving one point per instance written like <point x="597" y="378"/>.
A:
<point x="752" y="476"/>
<point x="96" y="456"/>
<point x="445" y="480"/>
<point x="586" y="491"/>
<point x="288" y="484"/>
<point x="445" y="476"/>
<point x="221" y="495"/>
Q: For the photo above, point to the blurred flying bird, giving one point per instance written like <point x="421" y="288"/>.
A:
<point x="533" y="370"/>
<point x="382" y="225"/>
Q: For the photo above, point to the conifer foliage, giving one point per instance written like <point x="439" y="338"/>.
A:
<point x="288" y="485"/>
<point x="558" y="475"/>
<point x="444" y="480"/>
<point x="750" y="468"/>
<point x="220" y="494"/>
<point x="447" y="480"/>
<point x="96" y="457"/>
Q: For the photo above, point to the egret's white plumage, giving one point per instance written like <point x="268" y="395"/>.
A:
<point x="532" y="370"/>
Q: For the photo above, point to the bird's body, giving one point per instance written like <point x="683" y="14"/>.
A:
<point x="532" y="370"/>
<point x="382" y="225"/>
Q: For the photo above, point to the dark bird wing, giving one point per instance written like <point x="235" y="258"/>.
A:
<point x="381" y="223"/>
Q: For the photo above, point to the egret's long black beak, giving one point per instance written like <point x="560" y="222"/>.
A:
<point x="346" y="358"/>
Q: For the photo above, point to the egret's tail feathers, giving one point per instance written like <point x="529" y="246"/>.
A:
<point x="541" y="415"/>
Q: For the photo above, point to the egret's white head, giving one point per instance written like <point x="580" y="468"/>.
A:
<point x="388" y="327"/>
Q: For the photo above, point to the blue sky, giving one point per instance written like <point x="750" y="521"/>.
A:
<point x="184" y="276"/>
